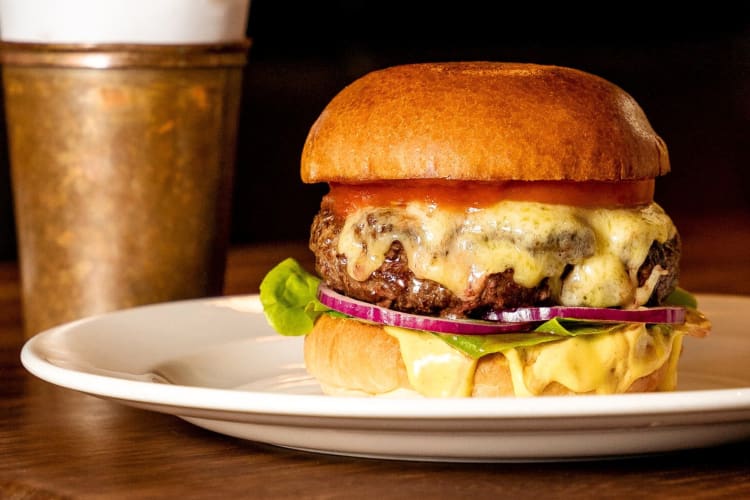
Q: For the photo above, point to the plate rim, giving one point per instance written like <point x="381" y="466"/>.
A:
<point x="220" y="401"/>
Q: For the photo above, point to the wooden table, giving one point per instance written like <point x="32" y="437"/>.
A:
<point x="56" y="443"/>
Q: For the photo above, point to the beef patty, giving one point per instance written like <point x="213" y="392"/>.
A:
<point x="394" y="285"/>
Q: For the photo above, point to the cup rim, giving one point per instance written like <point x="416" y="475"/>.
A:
<point x="123" y="55"/>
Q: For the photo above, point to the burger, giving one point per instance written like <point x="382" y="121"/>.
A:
<point x="489" y="230"/>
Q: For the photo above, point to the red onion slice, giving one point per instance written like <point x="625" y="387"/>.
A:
<point x="666" y="315"/>
<point x="382" y="315"/>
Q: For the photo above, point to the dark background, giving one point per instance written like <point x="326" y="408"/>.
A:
<point x="689" y="70"/>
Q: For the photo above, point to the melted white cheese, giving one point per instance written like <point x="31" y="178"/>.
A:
<point x="604" y="247"/>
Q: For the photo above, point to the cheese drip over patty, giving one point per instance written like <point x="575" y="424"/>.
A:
<point x="598" y="249"/>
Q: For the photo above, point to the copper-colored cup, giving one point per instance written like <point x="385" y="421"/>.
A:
<point x="122" y="158"/>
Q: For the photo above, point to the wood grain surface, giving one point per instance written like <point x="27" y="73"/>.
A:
<point x="57" y="443"/>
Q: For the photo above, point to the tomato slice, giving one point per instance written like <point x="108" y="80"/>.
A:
<point x="463" y="195"/>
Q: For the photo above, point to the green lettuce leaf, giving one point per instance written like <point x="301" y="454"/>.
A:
<point x="574" y="327"/>
<point x="681" y="297"/>
<point x="289" y="297"/>
<point x="477" y="346"/>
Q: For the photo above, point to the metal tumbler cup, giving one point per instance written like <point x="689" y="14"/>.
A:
<point x="122" y="159"/>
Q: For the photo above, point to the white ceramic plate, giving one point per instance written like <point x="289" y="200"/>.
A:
<point x="217" y="364"/>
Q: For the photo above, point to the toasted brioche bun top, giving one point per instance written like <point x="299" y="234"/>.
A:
<point x="483" y="121"/>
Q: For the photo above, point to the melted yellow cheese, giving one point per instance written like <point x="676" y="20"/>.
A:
<point x="601" y="364"/>
<point x="604" y="247"/>
<point x="434" y="368"/>
<point x="669" y="381"/>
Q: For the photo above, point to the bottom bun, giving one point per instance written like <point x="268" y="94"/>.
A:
<point x="349" y="357"/>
